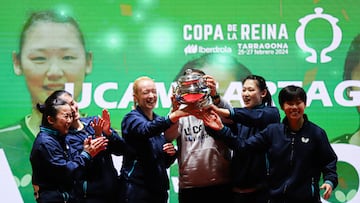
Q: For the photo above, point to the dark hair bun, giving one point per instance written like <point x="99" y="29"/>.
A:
<point x="40" y="107"/>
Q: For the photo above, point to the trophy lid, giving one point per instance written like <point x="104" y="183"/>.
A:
<point x="189" y="77"/>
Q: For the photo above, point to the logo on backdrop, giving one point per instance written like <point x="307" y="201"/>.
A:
<point x="191" y="49"/>
<point x="300" y="36"/>
<point x="249" y="39"/>
<point x="347" y="192"/>
<point x="194" y="49"/>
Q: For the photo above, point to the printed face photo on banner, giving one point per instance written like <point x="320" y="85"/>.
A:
<point x="51" y="53"/>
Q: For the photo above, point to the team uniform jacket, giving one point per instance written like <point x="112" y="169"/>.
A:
<point x="147" y="166"/>
<point x="249" y="169"/>
<point x="203" y="160"/>
<point x="296" y="159"/>
<point x="53" y="168"/>
<point x="99" y="182"/>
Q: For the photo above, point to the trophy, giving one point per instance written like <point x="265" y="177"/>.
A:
<point x="191" y="89"/>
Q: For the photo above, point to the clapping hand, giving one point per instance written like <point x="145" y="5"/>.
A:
<point x="94" y="146"/>
<point x="98" y="124"/>
<point x="107" y="122"/>
<point x="102" y="124"/>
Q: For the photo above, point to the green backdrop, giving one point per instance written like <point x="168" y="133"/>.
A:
<point x="155" y="38"/>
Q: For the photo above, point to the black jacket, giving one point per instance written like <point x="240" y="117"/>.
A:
<point x="296" y="159"/>
<point x="147" y="167"/>
<point x="99" y="182"/>
<point x="53" y="168"/>
<point x="249" y="169"/>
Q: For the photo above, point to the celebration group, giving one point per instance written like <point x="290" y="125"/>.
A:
<point x="225" y="154"/>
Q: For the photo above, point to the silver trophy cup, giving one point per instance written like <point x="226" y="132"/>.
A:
<point x="191" y="88"/>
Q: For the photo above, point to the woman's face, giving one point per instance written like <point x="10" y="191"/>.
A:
<point x="73" y="104"/>
<point x="251" y="94"/>
<point x="294" y="110"/>
<point x="63" y="119"/>
<point x="146" y="95"/>
<point x="52" y="55"/>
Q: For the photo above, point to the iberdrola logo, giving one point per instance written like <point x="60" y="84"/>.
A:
<point x="300" y="36"/>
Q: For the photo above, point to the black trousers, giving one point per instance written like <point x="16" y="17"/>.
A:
<point x="258" y="196"/>
<point x="210" y="194"/>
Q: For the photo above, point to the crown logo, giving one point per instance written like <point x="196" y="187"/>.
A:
<point x="300" y="36"/>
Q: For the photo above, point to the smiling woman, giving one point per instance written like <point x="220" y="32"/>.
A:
<point x="54" y="168"/>
<point x="144" y="176"/>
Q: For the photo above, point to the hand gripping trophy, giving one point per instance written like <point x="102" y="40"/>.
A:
<point x="191" y="89"/>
